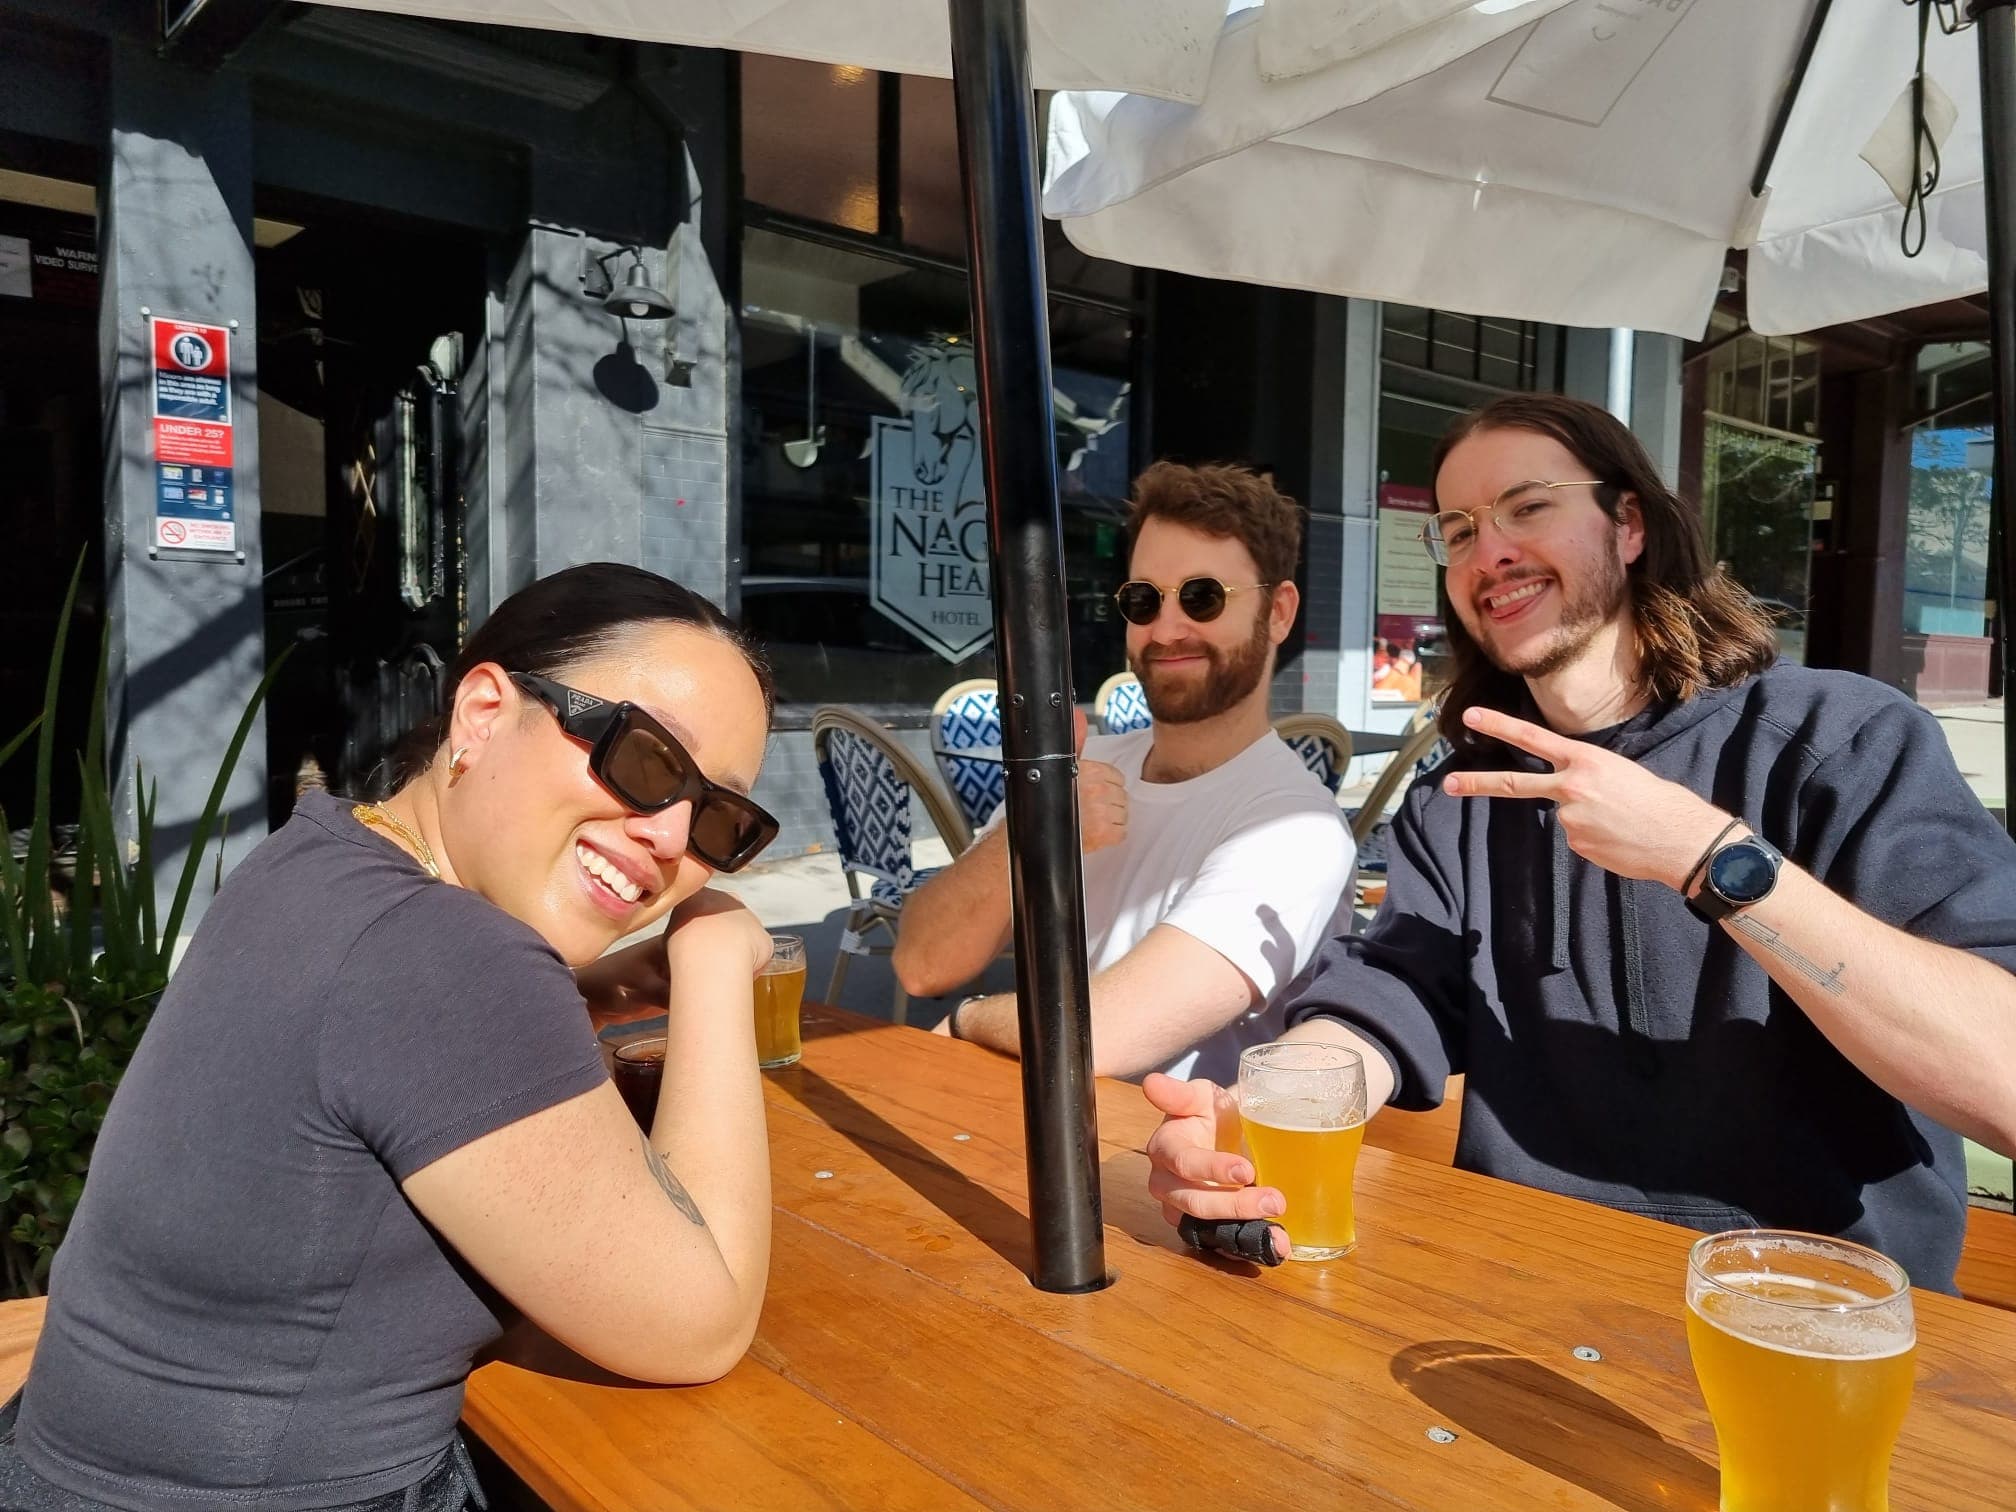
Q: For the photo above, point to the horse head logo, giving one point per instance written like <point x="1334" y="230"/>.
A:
<point x="941" y="393"/>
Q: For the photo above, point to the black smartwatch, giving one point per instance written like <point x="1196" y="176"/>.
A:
<point x="1739" y="874"/>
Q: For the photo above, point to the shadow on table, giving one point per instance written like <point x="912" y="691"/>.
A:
<point x="1556" y="1425"/>
<point x="529" y="1347"/>
<point x="972" y="1206"/>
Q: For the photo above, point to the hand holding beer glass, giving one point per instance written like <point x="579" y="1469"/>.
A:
<point x="1804" y="1349"/>
<point x="1302" y="1108"/>
<point x="639" y="1068"/>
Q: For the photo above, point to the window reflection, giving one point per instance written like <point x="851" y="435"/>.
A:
<point x="861" y="445"/>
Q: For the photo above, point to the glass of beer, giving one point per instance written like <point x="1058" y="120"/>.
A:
<point x="779" y="991"/>
<point x="1803" y="1346"/>
<point x="1302" y="1106"/>
<point x="639" y="1071"/>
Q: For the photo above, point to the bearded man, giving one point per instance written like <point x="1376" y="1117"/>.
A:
<point x="1215" y="863"/>
<point x="1715" y="938"/>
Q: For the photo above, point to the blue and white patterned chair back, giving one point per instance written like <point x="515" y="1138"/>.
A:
<point x="870" y="806"/>
<point x="1321" y="742"/>
<point x="1315" y="753"/>
<point x="970" y="715"/>
<point x="1122" y="706"/>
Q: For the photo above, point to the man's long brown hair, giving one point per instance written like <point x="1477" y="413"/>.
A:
<point x="1697" y="628"/>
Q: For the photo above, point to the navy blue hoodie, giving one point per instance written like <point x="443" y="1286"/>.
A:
<point x="1618" y="1048"/>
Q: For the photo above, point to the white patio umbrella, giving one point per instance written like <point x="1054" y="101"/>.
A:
<point x="1150" y="47"/>
<point x="1587" y="163"/>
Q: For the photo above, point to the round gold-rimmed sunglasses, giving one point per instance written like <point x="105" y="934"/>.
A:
<point x="1520" y="511"/>
<point x="1201" y="598"/>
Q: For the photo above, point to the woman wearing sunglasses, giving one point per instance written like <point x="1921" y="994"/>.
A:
<point x="371" y="1112"/>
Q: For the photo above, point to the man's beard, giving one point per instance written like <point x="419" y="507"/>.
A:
<point x="1230" y="676"/>
<point x="1582" y="616"/>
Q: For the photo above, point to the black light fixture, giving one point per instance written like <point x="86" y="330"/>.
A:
<point x="638" y="299"/>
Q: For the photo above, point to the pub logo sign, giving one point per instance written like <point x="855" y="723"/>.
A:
<point x="929" y="569"/>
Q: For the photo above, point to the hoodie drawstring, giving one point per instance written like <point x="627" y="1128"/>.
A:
<point x="1561" y="910"/>
<point x="1642" y="1049"/>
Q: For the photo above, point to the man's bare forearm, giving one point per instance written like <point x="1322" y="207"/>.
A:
<point x="954" y="924"/>
<point x="1933" y="1026"/>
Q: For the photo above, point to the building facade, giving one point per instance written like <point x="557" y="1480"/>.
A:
<point x="407" y="251"/>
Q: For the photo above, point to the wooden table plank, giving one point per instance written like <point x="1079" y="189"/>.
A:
<point x="905" y="1362"/>
<point x="1404" y="1316"/>
<point x="580" y="1437"/>
<point x="1325" y="1386"/>
<point x="20" y="1327"/>
<point x="1988" y="1263"/>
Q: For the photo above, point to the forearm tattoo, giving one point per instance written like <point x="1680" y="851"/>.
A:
<point x="1828" y="982"/>
<point x="669" y="1184"/>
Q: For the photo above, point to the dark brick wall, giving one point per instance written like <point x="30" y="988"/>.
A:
<point x="685" y="508"/>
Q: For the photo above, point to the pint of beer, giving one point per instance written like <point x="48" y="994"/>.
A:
<point x="779" y="991"/>
<point x="1302" y="1106"/>
<point x="1804" y="1349"/>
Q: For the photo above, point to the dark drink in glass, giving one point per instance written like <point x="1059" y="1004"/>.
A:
<point x="639" y="1071"/>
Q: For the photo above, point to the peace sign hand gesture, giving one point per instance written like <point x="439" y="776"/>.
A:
<point x="1611" y="810"/>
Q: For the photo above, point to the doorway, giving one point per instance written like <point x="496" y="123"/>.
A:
<point x="363" y="327"/>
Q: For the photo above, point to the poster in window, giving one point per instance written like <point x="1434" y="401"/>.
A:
<point x="1408" y="609"/>
<point x="929" y="569"/>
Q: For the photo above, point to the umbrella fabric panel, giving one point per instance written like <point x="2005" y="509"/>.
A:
<point x="1541" y="168"/>
<point x="1151" y="47"/>
<point x="1106" y="146"/>
<point x="1381" y="232"/>
<point x="1828" y="249"/>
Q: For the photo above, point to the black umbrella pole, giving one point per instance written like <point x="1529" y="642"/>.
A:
<point x="997" y="164"/>
<point x="1995" y="21"/>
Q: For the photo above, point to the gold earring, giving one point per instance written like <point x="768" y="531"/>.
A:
<point x="455" y="765"/>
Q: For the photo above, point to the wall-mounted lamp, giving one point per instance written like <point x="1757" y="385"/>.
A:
<point x="637" y="299"/>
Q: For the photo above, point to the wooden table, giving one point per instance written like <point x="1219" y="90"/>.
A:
<point x="904" y="1361"/>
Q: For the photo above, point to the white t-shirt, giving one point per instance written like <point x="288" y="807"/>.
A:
<point x="1252" y="858"/>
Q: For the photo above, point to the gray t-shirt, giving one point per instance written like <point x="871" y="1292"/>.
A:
<point x="247" y="1311"/>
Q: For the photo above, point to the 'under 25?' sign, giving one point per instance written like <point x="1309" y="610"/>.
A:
<point x="193" y="506"/>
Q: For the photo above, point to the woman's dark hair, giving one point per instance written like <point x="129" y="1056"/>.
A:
<point x="553" y="625"/>
<point x="1697" y="627"/>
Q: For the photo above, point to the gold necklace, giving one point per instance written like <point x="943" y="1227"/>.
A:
<point x="376" y="816"/>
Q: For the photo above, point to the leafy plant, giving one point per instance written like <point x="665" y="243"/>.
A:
<point x="78" y="984"/>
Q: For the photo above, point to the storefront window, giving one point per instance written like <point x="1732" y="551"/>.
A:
<point x="1757" y="491"/>
<point x="1435" y="365"/>
<point x="1760" y="463"/>
<point x="809" y="140"/>
<point x="1952" y="479"/>
<point x="865" y="564"/>
<point x="1502" y="354"/>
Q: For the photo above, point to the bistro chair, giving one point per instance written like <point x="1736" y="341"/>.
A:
<point x="1323" y="744"/>
<point x="1121" y="705"/>
<point x="968" y="716"/>
<point x="1422" y="750"/>
<point x="869" y="781"/>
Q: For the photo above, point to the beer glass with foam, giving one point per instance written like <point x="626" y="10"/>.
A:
<point x="779" y="991"/>
<point x="1803" y="1346"/>
<point x="1302" y="1108"/>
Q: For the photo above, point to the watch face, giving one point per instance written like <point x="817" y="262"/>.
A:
<point x="1742" y="872"/>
